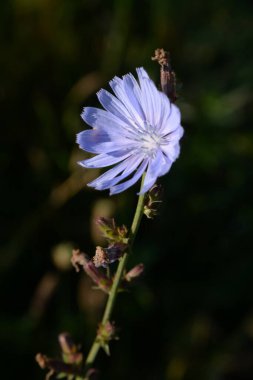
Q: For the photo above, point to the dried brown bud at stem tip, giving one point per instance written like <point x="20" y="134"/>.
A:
<point x="167" y="75"/>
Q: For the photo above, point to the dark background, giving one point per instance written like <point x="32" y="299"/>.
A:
<point x="191" y="315"/>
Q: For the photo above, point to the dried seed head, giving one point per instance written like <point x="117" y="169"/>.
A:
<point x="100" y="259"/>
<point x="167" y="75"/>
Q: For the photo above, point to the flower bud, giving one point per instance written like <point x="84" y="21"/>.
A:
<point x="105" y="333"/>
<point x="67" y="344"/>
<point x="100" y="279"/>
<point x="106" y="226"/>
<point x="134" y="273"/>
<point x="57" y="367"/>
<point x="78" y="259"/>
<point x="112" y="232"/>
<point x="70" y="351"/>
<point x="90" y="267"/>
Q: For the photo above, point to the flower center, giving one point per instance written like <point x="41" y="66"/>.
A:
<point x="150" y="141"/>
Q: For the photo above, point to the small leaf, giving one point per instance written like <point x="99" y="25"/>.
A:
<point x="106" y="348"/>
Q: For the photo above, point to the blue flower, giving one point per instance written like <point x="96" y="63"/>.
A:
<point x="139" y="131"/>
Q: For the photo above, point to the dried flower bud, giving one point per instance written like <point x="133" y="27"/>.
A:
<point x="100" y="279"/>
<point x="105" y="333"/>
<point x="111" y="232"/>
<point x="90" y="267"/>
<point x="168" y="76"/>
<point x="153" y="201"/>
<point x="115" y="251"/>
<point x="70" y="351"/>
<point x="134" y="273"/>
<point x="57" y="366"/>
<point x="67" y="344"/>
<point x="105" y="256"/>
<point x="106" y="226"/>
<point x="122" y="234"/>
<point x="42" y="360"/>
<point x="79" y="259"/>
<point x="100" y="258"/>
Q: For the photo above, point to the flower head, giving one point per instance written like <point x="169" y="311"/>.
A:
<point x="139" y="131"/>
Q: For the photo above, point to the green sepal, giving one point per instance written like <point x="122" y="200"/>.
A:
<point x="106" y="348"/>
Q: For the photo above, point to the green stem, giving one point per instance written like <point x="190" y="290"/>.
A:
<point x="118" y="275"/>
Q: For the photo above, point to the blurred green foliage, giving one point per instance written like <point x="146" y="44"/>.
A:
<point x="191" y="317"/>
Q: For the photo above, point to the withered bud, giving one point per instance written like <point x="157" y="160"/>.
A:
<point x="134" y="273"/>
<point x="100" y="279"/>
<point x="56" y="366"/>
<point x="90" y="267"/>
<point x="105" y="333"/>
<point x="115" y="251"/>
<point x="105" y="256"/>
<point x="106" y="225"/>
<point x="42" y="360"/>
<point x="161" y="56"/>
<point x="67" y="344"/>
<point x="100" y="257"/>
<point x="152" y="201"/>
<point x="79" y="259"/>
<point x="167" y="75"/>
<point x="70" y="351"/>
<point x="112" y="232"/>
<point x="122" y="232"/>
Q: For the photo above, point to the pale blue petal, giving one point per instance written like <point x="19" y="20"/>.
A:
<point x="165" y="167"/>
<point x="90" y="140"/>
<point x="99" y="141"/>
<point x="119" y="89"/>
<point x="131" y="85"/>
<point x="165" y="111"/>
<point x="155" y="168"/>
<point x="172" y="122"/>
<point x="105" y="120"/>
<point x="176" y="135"/>
<point x="151" y="100"/>
<point x="142" y="73"/>
<point x="103" y="160"/>
<point x="125" y="185"/>
<point x="113" y="105"/>
<point x="172" y="151"/>
<point x="101" y="182"/>
<point x="133" y="163"/>
<point x="133" y="93"/>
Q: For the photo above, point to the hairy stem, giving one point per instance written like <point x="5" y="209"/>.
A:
<point x="118" y="276"/>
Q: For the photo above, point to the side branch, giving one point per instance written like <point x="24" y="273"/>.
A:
<point x="118" y="276"/>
